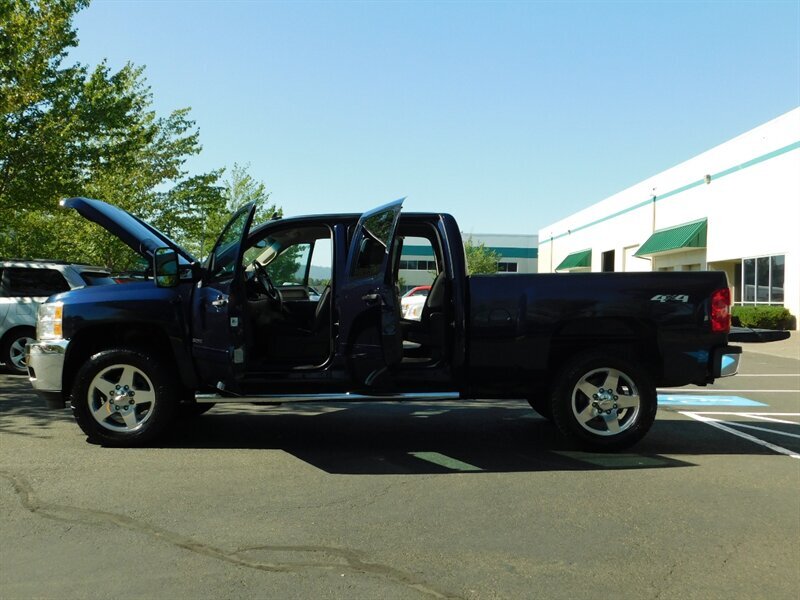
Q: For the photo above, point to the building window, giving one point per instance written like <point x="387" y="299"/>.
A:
<point x="507" y="267"/>
<point x="608" y="261"/>
<point x="762" y="280"/>
<point x="418" y="265"/>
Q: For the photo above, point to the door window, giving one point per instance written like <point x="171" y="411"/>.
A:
<point x="373" y="247"/>
<point x="226" y="252"/>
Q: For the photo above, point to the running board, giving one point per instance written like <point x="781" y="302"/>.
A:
<point x="348" y="397"/>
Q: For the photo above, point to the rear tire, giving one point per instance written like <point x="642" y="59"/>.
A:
<point x="603" y="401"/>
<point x="123" y="398"/>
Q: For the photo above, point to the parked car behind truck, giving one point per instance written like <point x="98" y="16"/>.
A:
<point x="587" y="351"/>
<point x="24" y="284"/>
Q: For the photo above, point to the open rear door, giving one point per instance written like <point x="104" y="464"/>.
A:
<point x="369" y="308"/>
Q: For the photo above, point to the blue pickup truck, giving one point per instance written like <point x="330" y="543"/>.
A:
<point x="587" y="351"/>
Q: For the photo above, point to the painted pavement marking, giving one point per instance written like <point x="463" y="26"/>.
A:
<point x="717" y="391"/>
<point x="729" y="427"/>
<point x="445" y="461"/>
<point x="692" y="400"/>
<point x="768" y="375"/>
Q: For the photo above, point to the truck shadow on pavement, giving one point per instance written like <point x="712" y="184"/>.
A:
<point x="382" y="438"/>
<point x="22" y="412"/>
<point x="435" y="438"/>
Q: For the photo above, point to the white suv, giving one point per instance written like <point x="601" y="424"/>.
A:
<point x="24" y="284"/>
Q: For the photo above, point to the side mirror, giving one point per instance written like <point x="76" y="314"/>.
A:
<point x="165" y="267"/>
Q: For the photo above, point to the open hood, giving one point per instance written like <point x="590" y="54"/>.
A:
<point x="141" y="237"/>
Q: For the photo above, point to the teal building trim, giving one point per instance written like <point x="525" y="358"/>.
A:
<point x="680" y="190"/>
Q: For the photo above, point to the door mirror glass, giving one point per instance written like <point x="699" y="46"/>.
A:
<point x="165" y="267"/>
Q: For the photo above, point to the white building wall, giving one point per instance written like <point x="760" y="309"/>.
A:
<point x="752" y="204"/>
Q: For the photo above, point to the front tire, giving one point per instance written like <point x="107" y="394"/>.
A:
<point x="602" y="401"/>
<point x="123" y="397"/>
<point x="13" y="349"/>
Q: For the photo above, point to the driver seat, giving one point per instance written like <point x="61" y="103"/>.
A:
<point x="322" y="315"/>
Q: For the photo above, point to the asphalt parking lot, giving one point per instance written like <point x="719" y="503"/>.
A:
<point x="413" y="500"/>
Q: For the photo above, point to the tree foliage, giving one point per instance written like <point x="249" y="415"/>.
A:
<point x="68" y="130"/>
<point x="480" y="259"/>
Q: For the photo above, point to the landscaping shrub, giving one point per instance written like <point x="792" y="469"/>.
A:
<point x="762" y="317"/>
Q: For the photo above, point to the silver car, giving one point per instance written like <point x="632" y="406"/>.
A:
<point x="24" y="284"/>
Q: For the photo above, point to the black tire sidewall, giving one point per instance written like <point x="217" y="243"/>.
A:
<point x="163" y="386"/>
<point x="561" y="400"/>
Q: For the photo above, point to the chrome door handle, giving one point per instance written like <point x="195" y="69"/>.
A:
<point x="219" y="302"/>
<point x="371" y="298"/>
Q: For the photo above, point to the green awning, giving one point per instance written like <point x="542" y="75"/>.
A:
<point x="688" y="235"/>
<point x="576" y="260"/>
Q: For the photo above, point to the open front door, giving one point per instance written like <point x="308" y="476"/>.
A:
<point x="367" y="299"/>
<point x="218" y="334"/>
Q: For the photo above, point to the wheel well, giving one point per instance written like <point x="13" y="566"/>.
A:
<point x="145" y="338"/>
<point x="630" y="338"/>
<point x="17" y="328"/>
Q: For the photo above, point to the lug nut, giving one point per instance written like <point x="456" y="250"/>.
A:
<point x="131" y="402"/>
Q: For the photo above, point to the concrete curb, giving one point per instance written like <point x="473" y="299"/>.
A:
<point x="785" y="348"/>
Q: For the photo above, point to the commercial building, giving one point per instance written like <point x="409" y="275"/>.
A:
<point x="518" y="254"/>
<point x="734" y="208"/>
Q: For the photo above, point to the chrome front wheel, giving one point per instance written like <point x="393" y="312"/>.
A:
<point x="121" y="398"/>
<point x="124" y="397"/>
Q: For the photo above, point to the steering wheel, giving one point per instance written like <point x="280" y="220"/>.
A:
<point x="265" y="282"/>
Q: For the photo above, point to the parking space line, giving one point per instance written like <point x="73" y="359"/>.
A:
<point x="718" y="390"/>
<point x="764" y="429"/>
<point x="768" y="375"/>
<point x="718" y="424"/>
<point x="445" y="461"/>
<point x="710" y="412"/>
<point x="764" y="417"/>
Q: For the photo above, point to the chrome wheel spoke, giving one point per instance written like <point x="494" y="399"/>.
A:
<point x="628" y="401"/>
<point x="129" y="416"/>
<point x="612" y="380"/>
<point x="612" y="422"/>
<point x="102" y="412"/>
<point x="126" y="378"/>
<point x="588" y="389"/>
<point x="587" y="414"/>
<point x="144" y="397"/>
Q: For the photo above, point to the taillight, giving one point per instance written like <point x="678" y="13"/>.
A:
<point x="721" y="311"/>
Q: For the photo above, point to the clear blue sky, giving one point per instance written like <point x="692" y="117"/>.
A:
<point x="507" y="115"/>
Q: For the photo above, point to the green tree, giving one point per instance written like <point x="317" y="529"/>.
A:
<point x="67" y="130"/>
<point x="480" y="259"/>
<point x="40" y="155"/>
